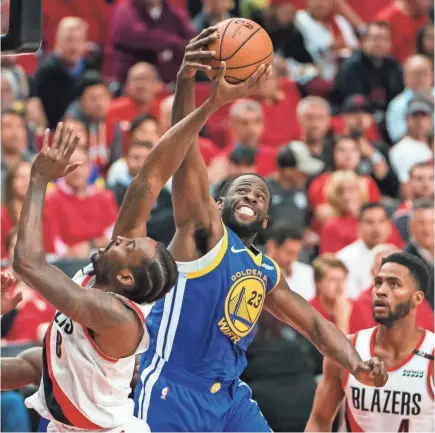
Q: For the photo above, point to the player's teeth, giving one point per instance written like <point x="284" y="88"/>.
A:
<point x="246" y="211"/>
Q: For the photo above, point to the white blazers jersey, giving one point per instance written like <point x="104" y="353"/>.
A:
<point x="405" y="403"/>
<point x="81" y="386"/>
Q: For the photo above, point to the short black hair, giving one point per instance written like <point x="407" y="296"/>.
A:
<point x="418" y="270"/>
<point x="282" y="231"/>
<point x="138" y="120"/>
<point x="229" y="182"/>
<point x="368" y="206"/>
<point x="286" y="158"/>
<point x="154" y="278"/>
<point x="90" y="78"/>
<point x="243" y="156"/>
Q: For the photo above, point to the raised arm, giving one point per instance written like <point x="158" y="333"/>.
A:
<point x="292" y="309"/>
<point x="162" y="162"/>
<point x="329" y="395"/>
<point x="194" y="207"/>
<point x="24" y="369"/>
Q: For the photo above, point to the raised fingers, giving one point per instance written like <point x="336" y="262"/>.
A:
<point x="253" y="80"/>
<point x="198" y="55"/>
<point x="57" y="136"/>
<point x="199" y="66"/>
<point x="200" y="43"/>
<point x="205" y="33"/>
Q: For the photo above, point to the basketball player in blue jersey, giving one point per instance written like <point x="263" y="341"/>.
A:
<point x="189" y="378"/>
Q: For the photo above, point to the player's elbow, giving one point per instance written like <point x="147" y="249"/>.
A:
<point x="317" y="423"/>
<point x="26" y="264"/>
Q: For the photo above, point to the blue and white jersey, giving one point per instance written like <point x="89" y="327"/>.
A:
<point x="205" y="324"/>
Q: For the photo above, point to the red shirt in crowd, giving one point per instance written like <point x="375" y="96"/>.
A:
<point x="6" y="227"/>
<point x="208" y="149"/>
<point x="80" y="219"/>
<point x="404" y="30"/>
<point x="265" y="159"/>
<point x="318" y="188"/>
<point x="315" y="303"/>
<point x="280" y="121"/>
<point x="33" y="311"/>
<point x="338" y="232"/>
<point x="363" y="317"/>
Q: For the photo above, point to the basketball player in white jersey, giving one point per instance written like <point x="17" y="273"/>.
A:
<point x="90" y="346"/>
<point x="406" y="402"/>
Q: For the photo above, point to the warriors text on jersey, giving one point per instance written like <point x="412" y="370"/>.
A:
<point x="405" y="403"/>
<point x="81" y="386"/>
<point x="200" y="331"/>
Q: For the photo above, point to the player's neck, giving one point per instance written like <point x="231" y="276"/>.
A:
<point x="403" y="335"/>
<point x="249" y="241"/>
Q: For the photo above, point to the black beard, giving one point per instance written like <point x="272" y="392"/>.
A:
<point x="402" y="310"/>
<point x="97" y="262"/>
<point x="240" y="229"/>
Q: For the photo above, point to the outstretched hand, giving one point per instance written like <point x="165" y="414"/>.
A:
<point x="223" y="92"/>
<point x="196" y="52"/>
<point x="53" y="161"/>
<point x="372" y="372"/>
<point x="8" y="300"/>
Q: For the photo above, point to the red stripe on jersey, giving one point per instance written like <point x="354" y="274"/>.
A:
<point x="354" y="426"/>
<point x="137" y="309"/>
<point x="70" y="411"/>
<point x="430" y="377"/>
<point x="95" y="346"/>
<point x="346" y="373"/>
<point x="406" y="360"/>
<point x="86" y="279"/>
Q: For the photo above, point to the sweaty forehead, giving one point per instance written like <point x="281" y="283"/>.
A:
<point x="250" y="180"/>
<point x="393" y="270"/>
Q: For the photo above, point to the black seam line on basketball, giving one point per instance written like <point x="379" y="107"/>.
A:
<point x="244" y="66"/>
<point x="222" y="40"/>
<point x="234" y="78"/>
<point x="241" y="46"/>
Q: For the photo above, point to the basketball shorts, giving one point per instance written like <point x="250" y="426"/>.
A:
<point x="170" y="399"/>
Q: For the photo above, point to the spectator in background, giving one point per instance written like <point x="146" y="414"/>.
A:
<point x="357" y="121"/>
<point x="207" y="148"/>
<point x="425" y="42"/>
<point x="141" y="90"/>
<point x="212" y="13"/>
<point x="420" y="186"/>
<point x="284" y="244"/>
<point x="374" y="228"/>
<point x="363" y="304"/>
<point x="143" y="129"/>
<point x="347" y="157"/>
<point x="7" y="93"/>
<point x="418" y="78"/>
<point x="314" y="117"/>
<point x="16" y="77"/>
<point x="279" y="98"/>
<point x="406" y="18"/>
<point x="421" y="230"/>
<point x="56" y="79"/>
<point x="14" y="148"/>
<point x="136" y="155"/>
<point x="148" y="30"/>
<point x="242" y="161"/>
<point x="414" y="146"/>
<point x="92" y="108"/>
<point x="28" y="322"/>
<point x="327" y="36"/>
<point x="246" y="125"/>
<point x="82" y="215"/>
<point x="370" y="72"/>
<point x="15" y="188"/>
<point x="289" y="197"/>
<point x="288" y="42"/>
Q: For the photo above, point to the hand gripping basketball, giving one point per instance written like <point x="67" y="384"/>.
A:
<point x="223" y="92"/>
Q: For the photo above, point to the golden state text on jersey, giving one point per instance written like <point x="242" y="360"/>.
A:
<point x="205" y="324"/>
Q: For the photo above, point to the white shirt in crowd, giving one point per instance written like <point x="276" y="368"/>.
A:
<point x="301" y="280"/>
<point x="405" y="154"/>
<point x="359" y="260"/>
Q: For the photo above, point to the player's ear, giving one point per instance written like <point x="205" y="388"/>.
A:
<point x="418" y="298"/>
<point x="266" y="220"/>
<point x="125" y="277"/>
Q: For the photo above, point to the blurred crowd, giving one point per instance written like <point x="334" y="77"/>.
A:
<point x="343" y="133"/>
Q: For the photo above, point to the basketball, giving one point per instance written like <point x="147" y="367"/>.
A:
<point x="243" y="45"/>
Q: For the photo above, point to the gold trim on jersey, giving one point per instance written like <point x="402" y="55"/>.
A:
<point x="215" y="263"/>
<point x="278" y="274"/>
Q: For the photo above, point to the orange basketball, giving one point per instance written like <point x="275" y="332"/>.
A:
<point x="243" y="45"/>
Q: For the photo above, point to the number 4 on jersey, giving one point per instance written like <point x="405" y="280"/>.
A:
<point x="404" y="425"/>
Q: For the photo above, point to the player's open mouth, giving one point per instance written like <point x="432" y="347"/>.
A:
<point x="246" y="211"/>
<point x="380" y="306"/>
